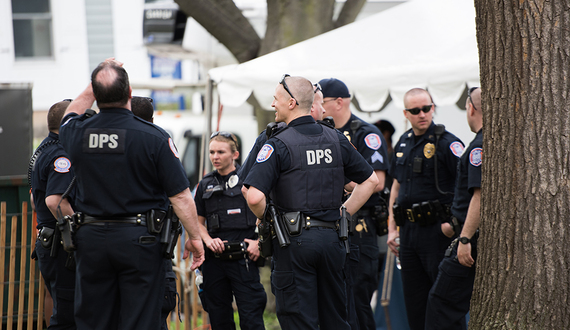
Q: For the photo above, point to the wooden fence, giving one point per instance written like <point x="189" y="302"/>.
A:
<point x="22" y="301"/>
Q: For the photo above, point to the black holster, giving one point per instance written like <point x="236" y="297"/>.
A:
<point x="170" y="231"/>
<point x="46" y="237"/>
<point x="294" y="222"/>
<point x="155" y="220"/>
<point x="67" y="226"/>
<point x="265" y="237"/>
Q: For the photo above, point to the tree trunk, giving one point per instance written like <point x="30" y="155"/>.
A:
<point x="523" y="266"/>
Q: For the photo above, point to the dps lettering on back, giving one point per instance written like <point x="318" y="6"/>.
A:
<point x="104" y="141"/>
<point x="318" y="156"/>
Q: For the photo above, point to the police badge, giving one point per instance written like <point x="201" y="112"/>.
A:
<point x="232" y="181"/>
<point x="429" y="150"/>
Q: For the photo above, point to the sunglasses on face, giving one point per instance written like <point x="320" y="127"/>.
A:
<point x="416" y="111"/>
<point x="471" y="90"/>
<point x="227" y="135"/>
<point x="282" y="82"/>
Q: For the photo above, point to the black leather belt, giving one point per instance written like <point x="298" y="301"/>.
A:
<point x="139" y="219"/>
<point x="319" y="223"/>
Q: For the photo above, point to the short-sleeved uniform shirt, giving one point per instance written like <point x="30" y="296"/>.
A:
<point x="51" y="175"/>
<point x="274" y="158"/>
<point x="250" y="160"/>
<point x="370" y="143"/>
<point x="124" y="165"/>
<point x="414" y="166"/>
<point x="233" y="209"/>
<point x="468" y="177"/>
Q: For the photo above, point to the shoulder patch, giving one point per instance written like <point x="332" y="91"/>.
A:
<point x="62" y="165"/>
<point x="456" y="148"/>
<point x="173" y="148"/>
<point x="476" y="156"/>
<point x="265" y="152"/>
<point x="373" y="141"/>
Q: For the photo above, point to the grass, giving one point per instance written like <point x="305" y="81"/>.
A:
<point x="269" y="319"/>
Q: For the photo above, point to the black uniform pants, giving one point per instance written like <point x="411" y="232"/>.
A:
<point x="169" y="297"/>
<point x="364" y="270"/>
<point x="60" y="283"/>
<point x="120" y="278"/>
<point x="450" y="296"/>
<point x="421" y="250"/>
<point x="225" y="279"/>
<point x="308" y="281"/>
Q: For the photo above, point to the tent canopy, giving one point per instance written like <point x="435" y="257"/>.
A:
<point x="420" y="43"/>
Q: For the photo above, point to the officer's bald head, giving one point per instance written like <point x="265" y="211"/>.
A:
<point x="302" y="90"/>
<point x="110" y="85"/>
<point x="55" y="114"/>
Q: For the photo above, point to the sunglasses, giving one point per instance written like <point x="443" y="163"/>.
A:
<point x="471" y="90"/>
<point x="227" y="135"/>
<point x="416" y="111"/>
<point x="67" y="100"/>
<point x="317" y="88"/>
<point x="282" y="82"/>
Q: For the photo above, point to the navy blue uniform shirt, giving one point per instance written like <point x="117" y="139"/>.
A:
<point x="51" y="175"/>
<point x="124" y="164"/>
<point x="371" y="145"/>
<point x="468" y="177"/>
<point x="413" y="166"/>
<point x="266" y="171"/>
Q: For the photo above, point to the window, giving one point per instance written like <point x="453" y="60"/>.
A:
<point x="32" y="28"/>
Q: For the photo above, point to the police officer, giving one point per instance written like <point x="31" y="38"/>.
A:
<point x="127" y="172"/>
<point x="51" y="175"/>
<point x="142" y="107"/>
<point x="364" y="259"/>
<point x="450" y="295"/>
<point x="424" y="171"/>
<point x="317" y="112"/>
<point x="226" y="220"/>
<point x="302" y="169"/>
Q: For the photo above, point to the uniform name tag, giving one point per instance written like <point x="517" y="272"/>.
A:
<point x="234" y="211"/>
<point x="104" y="141"/>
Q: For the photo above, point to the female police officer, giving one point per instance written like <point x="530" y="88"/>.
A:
<point x="228" y="230"/>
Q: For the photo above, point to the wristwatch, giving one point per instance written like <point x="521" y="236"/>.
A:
<point x="465" y="240"/>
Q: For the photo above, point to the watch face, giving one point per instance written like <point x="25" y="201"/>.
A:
<point x="464" y="240"/>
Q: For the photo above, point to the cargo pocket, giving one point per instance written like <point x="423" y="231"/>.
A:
<point x="451" y="278"/>
<point x="284" y="289"/>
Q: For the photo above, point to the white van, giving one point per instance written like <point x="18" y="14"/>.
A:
<point x="187" y="130"/>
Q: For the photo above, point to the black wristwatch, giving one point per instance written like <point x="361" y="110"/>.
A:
<point x="464" y="240"/>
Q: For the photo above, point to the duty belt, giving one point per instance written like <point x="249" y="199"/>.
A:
<point x="139" y="219"/>
<point x="319" y="223"/>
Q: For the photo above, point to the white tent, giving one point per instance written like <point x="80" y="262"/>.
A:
<point x="420" y="43"/>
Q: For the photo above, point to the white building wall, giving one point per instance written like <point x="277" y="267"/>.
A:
<point x="64" y="75"/>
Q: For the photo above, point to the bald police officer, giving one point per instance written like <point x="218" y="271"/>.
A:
<point x="127" y="173"/>
<point x="302" y="169"/>
<point x="424" y="170"/>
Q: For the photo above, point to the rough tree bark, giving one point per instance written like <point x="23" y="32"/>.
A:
<point x="524" y="260"/>
<point x="288" y="22"/>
